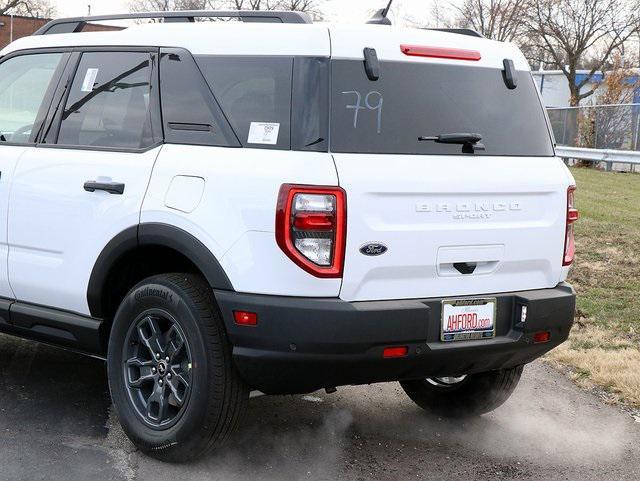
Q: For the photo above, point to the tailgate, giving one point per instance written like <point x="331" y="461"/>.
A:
<point x="441" y="217"/>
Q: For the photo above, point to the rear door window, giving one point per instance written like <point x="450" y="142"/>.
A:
<point x="255" y="95"/>
<point x="190" y="113"/>
<point x="109" y="102"/>
<point x="412" y="100"/>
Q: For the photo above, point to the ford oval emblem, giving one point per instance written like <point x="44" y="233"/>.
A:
<point x="373" y="249"/>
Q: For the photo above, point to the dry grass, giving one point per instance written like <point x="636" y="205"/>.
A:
<point x="614" y="371"/>
<point x="604" y="347"/>
<point x="597" y="357"/>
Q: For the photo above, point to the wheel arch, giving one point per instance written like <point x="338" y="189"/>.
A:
<point x="150" y="239"/>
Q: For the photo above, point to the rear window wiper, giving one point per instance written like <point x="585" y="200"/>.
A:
<point x="470" y="142"/>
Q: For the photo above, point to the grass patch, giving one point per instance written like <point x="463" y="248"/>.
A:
<point x="604" y="346"/>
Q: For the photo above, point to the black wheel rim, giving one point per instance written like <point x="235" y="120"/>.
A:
<point x="157" y="369"/>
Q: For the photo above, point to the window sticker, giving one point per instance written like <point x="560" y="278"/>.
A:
<point x="89" y="80"/>
<point x="265" y="133"/>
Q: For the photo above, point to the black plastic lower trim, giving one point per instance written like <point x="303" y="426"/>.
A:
<point x="304" y="344"/>
<point x="52" y="326"/>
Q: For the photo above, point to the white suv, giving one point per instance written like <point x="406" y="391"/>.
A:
<point x="216" y="207"/>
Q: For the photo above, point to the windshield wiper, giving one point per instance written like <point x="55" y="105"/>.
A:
<point x="470" y="142"/>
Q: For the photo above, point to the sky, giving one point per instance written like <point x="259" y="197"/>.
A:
<point x="347" y="11"/>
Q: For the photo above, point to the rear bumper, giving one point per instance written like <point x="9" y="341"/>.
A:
<point x="304" y="344"/>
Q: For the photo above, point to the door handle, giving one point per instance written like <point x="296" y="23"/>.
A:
<point x="111" y="187"/>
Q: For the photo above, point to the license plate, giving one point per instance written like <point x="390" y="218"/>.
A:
<point x="468" y="319"/>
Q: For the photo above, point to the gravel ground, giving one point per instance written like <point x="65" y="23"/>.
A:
<point x="56" y="424"/>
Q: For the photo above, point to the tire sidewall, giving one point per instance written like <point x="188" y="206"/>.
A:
<point x="476" y="395"/>
<point x="156" y="293"/>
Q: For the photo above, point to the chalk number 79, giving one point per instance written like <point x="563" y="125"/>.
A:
<point x="368" y="104"/>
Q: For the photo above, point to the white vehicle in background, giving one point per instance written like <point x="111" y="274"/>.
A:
<point x="271" y="204"/>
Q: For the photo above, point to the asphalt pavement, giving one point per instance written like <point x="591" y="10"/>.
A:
<point x="56" y="424"/>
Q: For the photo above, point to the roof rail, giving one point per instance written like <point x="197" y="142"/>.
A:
<point x="460" y="31"/>
<point x="76" y="24"/>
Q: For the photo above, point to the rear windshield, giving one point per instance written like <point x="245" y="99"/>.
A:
<point x="412" y="100"/>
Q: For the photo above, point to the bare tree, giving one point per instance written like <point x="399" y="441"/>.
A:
<point x="30" y="8"/>
<point x="166" y="5"/>
<point x="252" y="5"/>
<point x="502" y="20"/>
<point x="615" y="123"/>
<point x="568" y="31"/>
<point x="638" y="34"/>
<point x="310" y="6"/>
<point x="439" y="15"/>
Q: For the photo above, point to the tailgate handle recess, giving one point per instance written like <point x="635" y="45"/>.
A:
<point x="465" y="267"/>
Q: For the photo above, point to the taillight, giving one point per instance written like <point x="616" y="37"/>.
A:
<point x="311" y="227"/>
<point x="569" y="239"/>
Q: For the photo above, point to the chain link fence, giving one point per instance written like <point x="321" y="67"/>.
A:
<point x="597" y="127"/>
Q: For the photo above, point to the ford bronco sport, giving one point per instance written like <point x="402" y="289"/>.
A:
<point x="281" y="206"/>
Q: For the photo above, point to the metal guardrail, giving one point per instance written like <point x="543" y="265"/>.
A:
<point x="608" y="156"/>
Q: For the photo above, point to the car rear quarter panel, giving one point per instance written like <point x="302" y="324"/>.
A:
<point x="235" y="216"/>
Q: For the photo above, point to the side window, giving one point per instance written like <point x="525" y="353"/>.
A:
<point x="310" y="109"/>
<point x="24" y="81"/>
<point x="190" y="113"/>
<point x="255" y="95"/>
<point x="109" y="102"/>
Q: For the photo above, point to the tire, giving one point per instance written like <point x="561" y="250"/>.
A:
<point x="474" y="395"/>
<point x="186" y="399"/>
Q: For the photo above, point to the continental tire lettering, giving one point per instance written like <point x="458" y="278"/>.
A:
<point x="154" y="292"/>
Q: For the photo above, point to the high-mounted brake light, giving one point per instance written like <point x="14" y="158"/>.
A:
<point x="311" y="228"/>
<point x="569" y="238"/>
<point x="440" y="52"/>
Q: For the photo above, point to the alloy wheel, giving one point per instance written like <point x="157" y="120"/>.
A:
<point x="446" y="381"/>
<point x="157" y="369"/>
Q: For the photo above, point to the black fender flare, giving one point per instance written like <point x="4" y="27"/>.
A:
<point x="152" y="234"/>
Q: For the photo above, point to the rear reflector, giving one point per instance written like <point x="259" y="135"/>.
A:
<point x="310" y="222"/>
<point x="440" y="52"/>
<point x="244" y="318"/>
<point x="397" y="351"/>
<point x="540" y="337"/>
